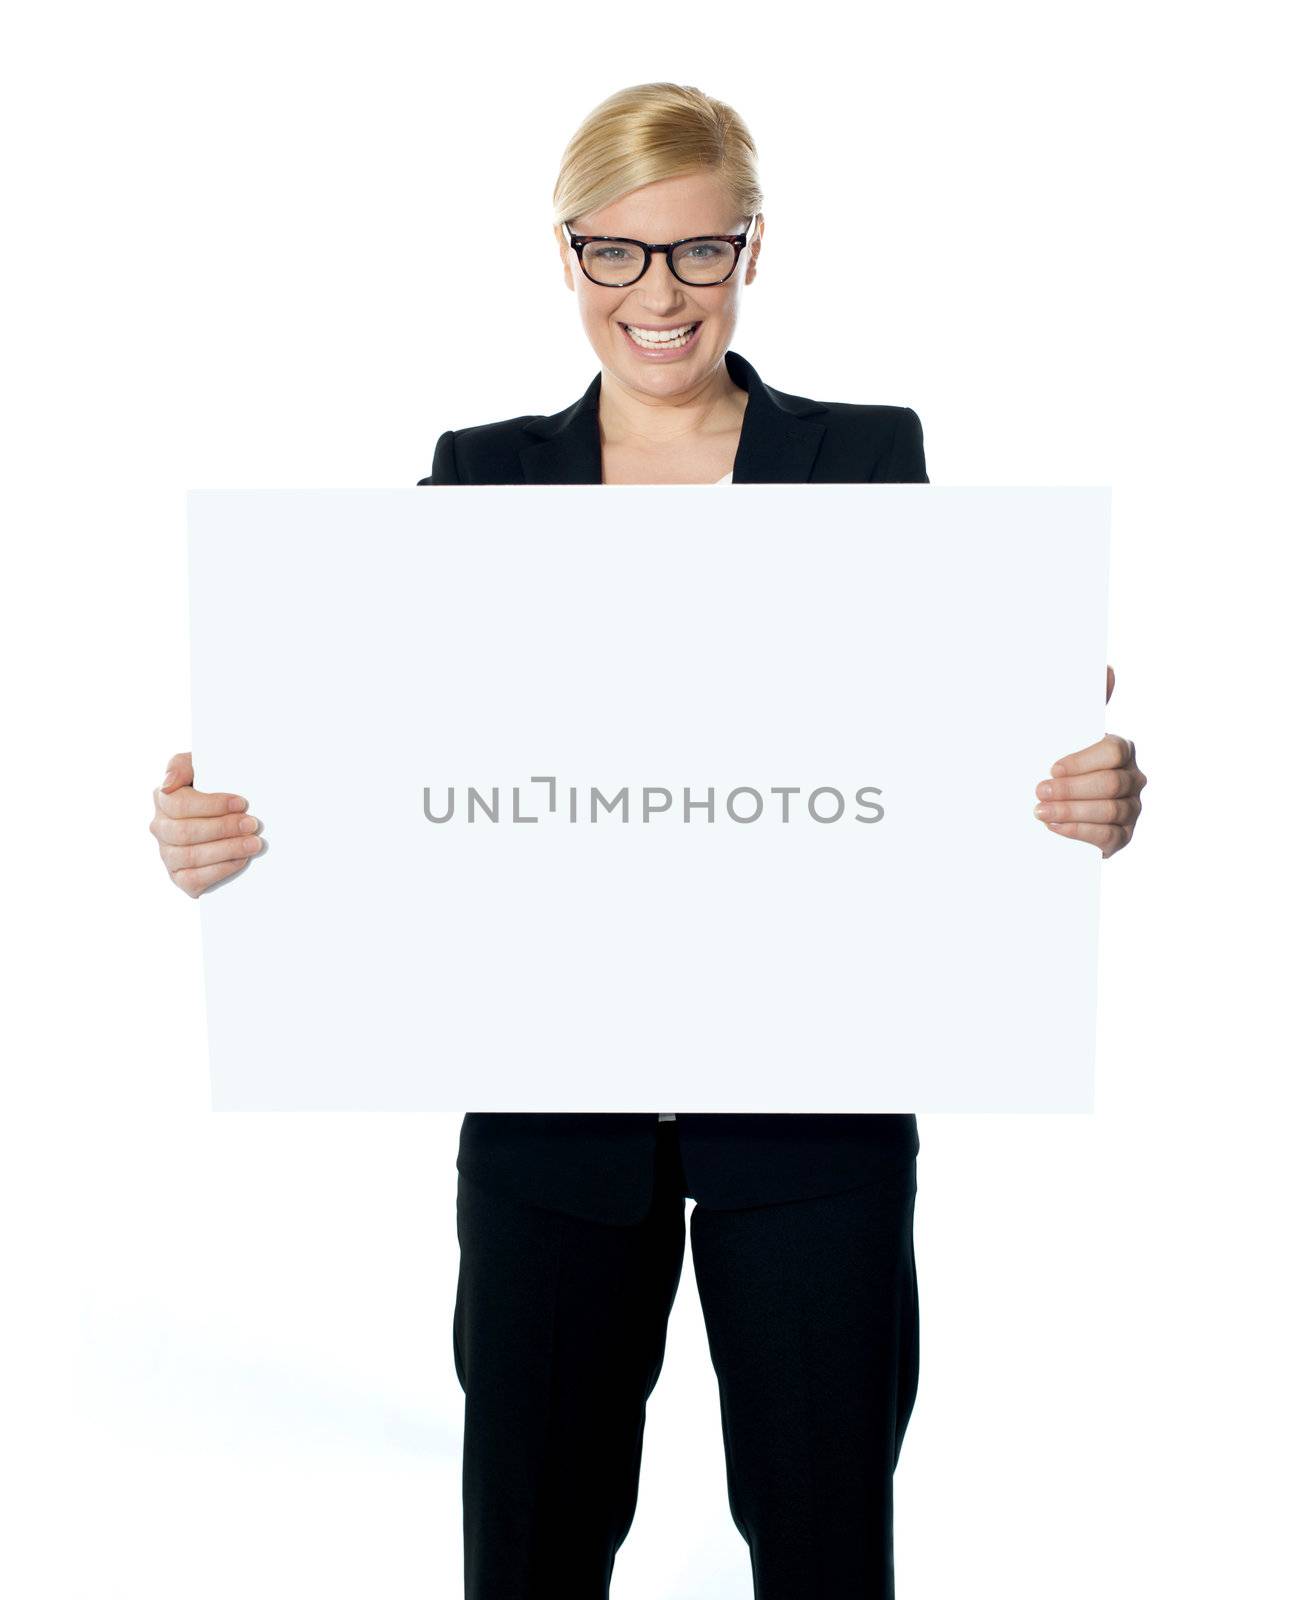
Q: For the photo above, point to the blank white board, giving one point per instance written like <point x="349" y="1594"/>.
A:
<point x="895" y="931"/>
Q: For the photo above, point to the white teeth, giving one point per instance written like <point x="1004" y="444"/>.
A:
<point x="654" y="336"/>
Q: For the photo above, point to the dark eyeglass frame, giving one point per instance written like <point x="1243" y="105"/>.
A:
<point x="737" y="241"/>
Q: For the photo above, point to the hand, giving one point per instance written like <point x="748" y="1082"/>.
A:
<point x="202" y="838"/>
<point x="1095" y="794"/>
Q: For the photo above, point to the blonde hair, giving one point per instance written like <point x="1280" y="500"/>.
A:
<point x="652" y="131"/>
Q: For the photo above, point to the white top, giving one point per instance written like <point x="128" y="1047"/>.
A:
<point x="671" y="1116"/>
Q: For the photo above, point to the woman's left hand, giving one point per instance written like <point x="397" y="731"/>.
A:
<point x="1095" y="794"/>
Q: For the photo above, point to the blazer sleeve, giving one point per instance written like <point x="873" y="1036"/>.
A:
<point x="444" y="461"/>
<point x="907" y="459"/>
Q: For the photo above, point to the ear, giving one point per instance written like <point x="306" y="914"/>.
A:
<point x="755" y="248"/>
<point x="565" y="256"/>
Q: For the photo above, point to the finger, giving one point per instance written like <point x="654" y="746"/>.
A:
<point x="1107" y="837"/>
<point x="189" y="802"/>
<point x="196" y="830"/>
<point x="1111" y="751"/>
<point x="1125" y="810"/>
<point x="1109" y="683"/>
<point x="1104" y="784"/>
<point x="193" y="880"/>
<point x="181" y="856"/>
<point x="180" y="771"/>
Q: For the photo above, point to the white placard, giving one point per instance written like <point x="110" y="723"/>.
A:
<point x="895" y="931"/>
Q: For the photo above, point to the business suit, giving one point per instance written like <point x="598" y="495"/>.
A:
<point x="572" y="1235"/>
<point x="601" y="1165"/>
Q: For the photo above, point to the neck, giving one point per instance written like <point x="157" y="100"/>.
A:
<point x="713" y="405"/>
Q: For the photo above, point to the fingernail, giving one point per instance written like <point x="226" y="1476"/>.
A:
<point x="237" y="803"/>
<point x="1057" y="771"/>
<point x="248" y="824"/>
<point x="1041" y="811"/>
<point x="168" y="777"/>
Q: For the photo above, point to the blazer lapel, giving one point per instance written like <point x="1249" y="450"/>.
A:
<point x="779" y="436"/>
<point x="566" y="446"/>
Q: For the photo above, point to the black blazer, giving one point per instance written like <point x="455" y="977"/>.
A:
<point x="600" y="1165"/>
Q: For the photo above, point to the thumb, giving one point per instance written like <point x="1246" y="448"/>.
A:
<point x="180" y="771"/>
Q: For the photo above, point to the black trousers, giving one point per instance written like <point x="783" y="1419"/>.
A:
<point x="560" y="1325"/>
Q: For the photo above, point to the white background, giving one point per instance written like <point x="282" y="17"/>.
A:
<point x="232" y="261"/>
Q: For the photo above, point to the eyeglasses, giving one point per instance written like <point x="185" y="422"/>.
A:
<point x="615" y="263"/>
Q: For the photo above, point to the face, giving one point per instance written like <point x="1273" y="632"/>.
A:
<point x="675" y="208"/>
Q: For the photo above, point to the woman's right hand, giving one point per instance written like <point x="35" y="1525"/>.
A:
<point x="202" y="838"/>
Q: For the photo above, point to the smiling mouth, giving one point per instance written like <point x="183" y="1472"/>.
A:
<point x="661" y="338"/>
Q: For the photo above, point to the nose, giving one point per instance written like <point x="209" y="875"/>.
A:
<point x="658" y="286"/>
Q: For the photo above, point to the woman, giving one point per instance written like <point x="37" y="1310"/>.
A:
<point x="572" y="1227"/>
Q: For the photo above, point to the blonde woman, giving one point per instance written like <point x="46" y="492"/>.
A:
<point x="572" y="1227"/>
